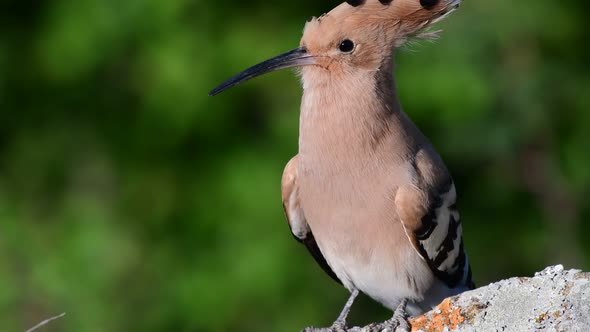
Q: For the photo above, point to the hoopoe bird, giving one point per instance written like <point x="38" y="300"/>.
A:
<point x="367" y="194"/>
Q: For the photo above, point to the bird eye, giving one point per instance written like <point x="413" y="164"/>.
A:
<point x="346" y="46"/>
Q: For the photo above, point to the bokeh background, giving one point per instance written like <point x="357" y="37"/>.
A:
<point x="134" y="202"/>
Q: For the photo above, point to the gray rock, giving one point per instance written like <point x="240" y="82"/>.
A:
<point x="553" y="300"/>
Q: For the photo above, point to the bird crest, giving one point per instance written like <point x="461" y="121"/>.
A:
<point x="395" y="21"/>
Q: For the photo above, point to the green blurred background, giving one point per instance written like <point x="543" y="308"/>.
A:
<point x="134" y="202"/>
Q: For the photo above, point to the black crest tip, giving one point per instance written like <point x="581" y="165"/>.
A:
<point x="427" y="4"/>
<point x="355" y="3"/>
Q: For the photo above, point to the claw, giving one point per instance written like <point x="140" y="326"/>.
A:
<point x="399" y="321"/>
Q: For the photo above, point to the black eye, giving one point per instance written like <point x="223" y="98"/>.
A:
<point x="346" y="46"/>
<point x="428" y="3"/>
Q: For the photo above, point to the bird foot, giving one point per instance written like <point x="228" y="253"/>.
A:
<point x="393" y="325"/>
<point x="338" y="326"/>
<point x="399" y="321"/>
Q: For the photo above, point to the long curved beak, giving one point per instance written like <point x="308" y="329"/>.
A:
<point x="293" y="58"/>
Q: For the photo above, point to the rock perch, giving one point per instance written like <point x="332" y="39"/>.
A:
<point x="553" y="300"/>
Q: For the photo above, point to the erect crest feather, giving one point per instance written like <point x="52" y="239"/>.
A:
<point x="399" y="19"/>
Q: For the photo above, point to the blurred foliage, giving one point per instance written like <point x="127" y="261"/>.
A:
<point x="134" y="202"/>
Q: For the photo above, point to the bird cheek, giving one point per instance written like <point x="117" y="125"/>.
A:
<point x="366" y="60"/>
<point x="325" y="62"/>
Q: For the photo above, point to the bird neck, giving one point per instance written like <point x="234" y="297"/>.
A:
<point x="344" y="119"/>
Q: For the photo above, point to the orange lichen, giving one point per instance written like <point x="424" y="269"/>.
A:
<point x="444" y="316"/>
<point x="541" y="318"/>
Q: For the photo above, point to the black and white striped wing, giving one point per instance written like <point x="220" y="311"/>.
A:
<point x="432" y="224"/>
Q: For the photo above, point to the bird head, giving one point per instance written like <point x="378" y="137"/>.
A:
<point x="358" y="35"/>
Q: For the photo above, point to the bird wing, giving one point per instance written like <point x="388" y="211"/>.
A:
<point x="296" y="219"/>
<point x="427" y="210"/>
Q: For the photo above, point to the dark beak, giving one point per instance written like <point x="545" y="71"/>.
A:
<point x="293" y="58"/>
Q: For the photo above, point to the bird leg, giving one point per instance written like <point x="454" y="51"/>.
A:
<point x="340" y="323"/>
<point x="399" y="319"/>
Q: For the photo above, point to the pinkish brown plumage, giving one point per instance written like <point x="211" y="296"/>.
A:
<point x="367" y="194"/>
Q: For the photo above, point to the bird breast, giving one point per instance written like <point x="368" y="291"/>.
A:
<point x="350" y="211"/>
